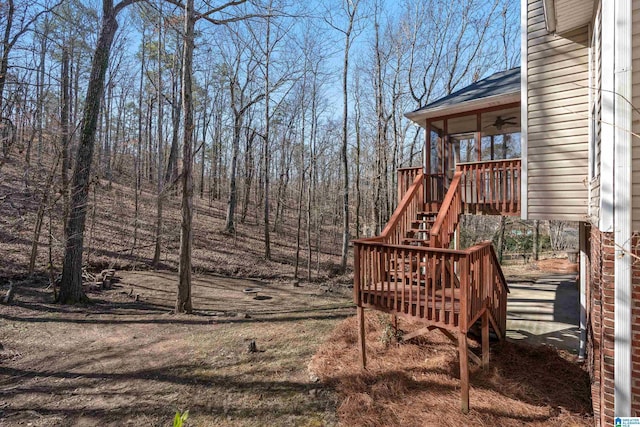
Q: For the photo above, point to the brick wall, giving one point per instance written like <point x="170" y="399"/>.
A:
<point x="600" y="324"/>
<point x="635" y="384"/>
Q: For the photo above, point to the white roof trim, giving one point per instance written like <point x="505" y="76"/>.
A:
<point x="623" y="316"/>
<point x="474" y="104"/>
<point x="524" y="112"/>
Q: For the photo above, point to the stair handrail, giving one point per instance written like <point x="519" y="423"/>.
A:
<point x="447" y="219"/>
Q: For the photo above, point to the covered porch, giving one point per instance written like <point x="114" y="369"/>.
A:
<point x="475" y="131"/>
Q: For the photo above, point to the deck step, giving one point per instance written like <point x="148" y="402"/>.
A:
<point x="422" y="234"/>
<point x="412" y="241"/>
<point x="427" y="214"/>
<point x="422" y="224"/>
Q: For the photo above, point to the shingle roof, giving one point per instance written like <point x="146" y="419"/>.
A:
<point x="500" y="83"/>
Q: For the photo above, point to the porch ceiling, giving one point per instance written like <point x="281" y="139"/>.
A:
<point x="468" y="123"/>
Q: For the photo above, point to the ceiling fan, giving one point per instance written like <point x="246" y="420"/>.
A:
<point x="500" y="122"/>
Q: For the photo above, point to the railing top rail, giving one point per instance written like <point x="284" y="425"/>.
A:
<point x="424" y="249"/>
<point x="477" y="247"/>
<point x="488" y="161"/>
<point x="374" y="239"/>
<point x="409" y="168"/>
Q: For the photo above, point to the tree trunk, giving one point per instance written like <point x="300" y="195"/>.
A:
<point x="351" y="10"/>
<point x="536" y="239"/>
<point x="160" y="167"/>
<point x="40" y="217"/>
<point x="138" y="157"/>
<point x="183" y="302"/>
<point x="503" y="223"/>
<point x="6" y="48"/>
<point x="248" y="173"/>
<point x="172" y="165"/>
<point x="64" y="122"/>
<point x="205" y="124"/>
<point x="232" y="201"/>
<point x="71" y="284"/>
<point x="267" y="155"/>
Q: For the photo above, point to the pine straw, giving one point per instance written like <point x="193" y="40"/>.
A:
<point x="416" y="383"/>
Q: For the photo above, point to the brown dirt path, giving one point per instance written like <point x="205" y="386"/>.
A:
<point x="126" y="362"/>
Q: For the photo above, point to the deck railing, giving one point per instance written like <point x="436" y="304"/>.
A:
<point x="405" y="280"/>
<point x="491" y="187"/>
<point x="406" y="176"/>
<point x="491" y="287"/>
<point x="448" y="215"/>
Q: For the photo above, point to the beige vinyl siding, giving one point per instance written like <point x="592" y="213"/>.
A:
<point x="635" y="165"/>
<point x="596" y="84"/>
<point x="557" y="120"/>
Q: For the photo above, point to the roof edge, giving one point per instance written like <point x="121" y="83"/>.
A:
<point x="419" y="116"/>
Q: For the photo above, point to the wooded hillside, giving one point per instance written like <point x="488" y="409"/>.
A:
<point x="254" y="129"/>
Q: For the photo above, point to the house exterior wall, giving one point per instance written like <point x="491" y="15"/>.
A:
<point x="557" y="115"/>
<point x="562" y="65"/>
<point x="596" y="115"/>
<point x="635" y="165"/>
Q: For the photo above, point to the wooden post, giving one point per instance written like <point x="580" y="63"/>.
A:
<point x="357" y="260"/>
<point x="464" y="372"/>
<point x="444" y="160"/>
<point x="361" y="337"/>
<point x="479" y="136"/>
<point x="485" y="339"/>
<point x="427" y="161"/>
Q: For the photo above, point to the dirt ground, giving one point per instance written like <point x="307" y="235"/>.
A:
<point x="125" y="362"/>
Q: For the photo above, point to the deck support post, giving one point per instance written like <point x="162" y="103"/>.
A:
<point x="464" y="372"/>
<point x="361" y="337"/>
<point x="485" y="339"/>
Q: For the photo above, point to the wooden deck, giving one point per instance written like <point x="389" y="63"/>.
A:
<point x="410" y="271"/>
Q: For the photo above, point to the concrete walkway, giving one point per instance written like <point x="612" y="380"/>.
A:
<point x="546" y="311"/>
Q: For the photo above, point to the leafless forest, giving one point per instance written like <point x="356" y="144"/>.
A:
<point x="287" y="116"/>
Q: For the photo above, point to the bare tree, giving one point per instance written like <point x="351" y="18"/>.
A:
<point x="160" y="138"/>
<point x="183" y="302"/>
<point x="71" y="285"/>
<point x="350" y="9"/>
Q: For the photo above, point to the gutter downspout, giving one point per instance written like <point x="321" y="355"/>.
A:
<point x="622" y="205"/>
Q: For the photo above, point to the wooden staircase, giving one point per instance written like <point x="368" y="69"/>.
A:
<point x="420" y="231"/>
<point x="410" y="270"/>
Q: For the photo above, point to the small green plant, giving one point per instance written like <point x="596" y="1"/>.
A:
<point x="179" y="419"/>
